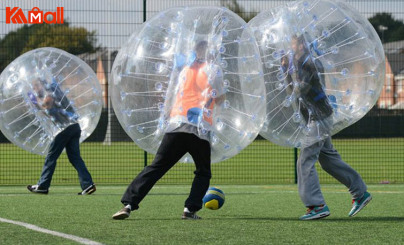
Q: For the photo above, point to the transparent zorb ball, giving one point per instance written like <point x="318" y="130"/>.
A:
<point x="44" y="91"/>
<point x="324" y="69"/>
<point x="151" y="91"/>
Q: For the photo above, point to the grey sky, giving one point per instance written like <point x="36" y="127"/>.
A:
<point x="114" y="21"/>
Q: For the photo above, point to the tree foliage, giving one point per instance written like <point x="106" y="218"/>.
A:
<point x="388" y="29"/>
<point x="75" y="40"/>
<point x="234" y="6"/>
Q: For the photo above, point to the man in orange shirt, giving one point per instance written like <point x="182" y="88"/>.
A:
<point x="197" y="92"/>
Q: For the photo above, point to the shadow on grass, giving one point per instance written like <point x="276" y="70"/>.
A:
<point x="365" y="219"/>
<point x="357" y="219"/>
<point x="104" y="194"/>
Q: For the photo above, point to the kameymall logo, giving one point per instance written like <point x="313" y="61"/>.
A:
<point x="35" y="16"/>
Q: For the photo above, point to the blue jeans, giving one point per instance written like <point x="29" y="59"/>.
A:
<point x="69" y="139"/>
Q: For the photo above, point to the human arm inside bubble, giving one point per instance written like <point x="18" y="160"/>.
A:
<point x="303" y="85"/>
<point x="36" y="94"/>
<point x="287" y="68"/>
<point x="212" y="89"/>
<point x="314" y="95"/>
<point x="35" y="101"/>
<point x="48" y="102"/>
<point x="58" y="114"/>
<point x="216" y="79"/>
<point x="216" y="83"/>
<point x="61" y="102"/>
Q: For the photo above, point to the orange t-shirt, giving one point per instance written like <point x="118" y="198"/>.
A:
<point x="194" y="93"/>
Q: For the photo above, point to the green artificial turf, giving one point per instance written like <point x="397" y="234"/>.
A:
<point x="252" y="214"/>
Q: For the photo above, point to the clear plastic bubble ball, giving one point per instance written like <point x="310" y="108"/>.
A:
<point x="323" y="67"/>
<point x="44" y="91"/>
<point x="196" y="66"/>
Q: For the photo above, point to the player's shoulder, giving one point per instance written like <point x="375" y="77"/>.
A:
<point x="211" y="68"/>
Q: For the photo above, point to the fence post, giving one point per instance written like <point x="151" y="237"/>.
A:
<point x="295" y="156"/>
<point x="144" y="20"/>
<point x="144" y="10"/>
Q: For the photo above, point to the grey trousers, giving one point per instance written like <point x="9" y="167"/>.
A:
<point x="330" y="160"/>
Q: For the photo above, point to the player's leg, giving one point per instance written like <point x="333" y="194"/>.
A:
<point x="309" y="183"/>
<point x="200" y="152"/>
<point x="171" y="149"/>
<point x="55" y="149"/>
<point x="73" y="153"/>
<point x="307" y="177"/>
<point x="333" y="164"/>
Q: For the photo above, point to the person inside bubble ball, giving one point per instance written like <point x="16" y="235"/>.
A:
<point x="198" y="91"/>
<point x="51" y="99"/>
<point x="37" y="95"/>
<point x="316" y="110"/>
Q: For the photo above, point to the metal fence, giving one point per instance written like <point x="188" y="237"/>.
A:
<point x="374" y="146"/>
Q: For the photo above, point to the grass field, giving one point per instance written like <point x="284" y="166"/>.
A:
<point x="377" y="160"/>
<point x="252" y="214"/>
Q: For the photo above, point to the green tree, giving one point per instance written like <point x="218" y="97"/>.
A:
<point x="388" y="29"/>
<point x="234" y="6"/>
<point x="75" y="40"/>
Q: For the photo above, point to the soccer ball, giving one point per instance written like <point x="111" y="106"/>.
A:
<point x="213" y="199"/>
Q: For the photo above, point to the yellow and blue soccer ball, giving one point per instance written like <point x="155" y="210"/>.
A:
<point x="213" y="199"/>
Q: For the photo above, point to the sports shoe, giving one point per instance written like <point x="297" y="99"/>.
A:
<point x="35" y="189"/>
<point x="316" y="212"/>
<point x="190" y="215"/>
<point x="122" y="214"/>
<point x="359" y="203"/>
<point x="88" y="191"/>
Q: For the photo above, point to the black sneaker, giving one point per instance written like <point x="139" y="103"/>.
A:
<point x="35" y="189"/>
<point x="122" y="214"/>
<point x="190" y="215"/>
<point x="88" y="191"/>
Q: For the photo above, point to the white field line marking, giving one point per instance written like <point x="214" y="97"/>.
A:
<point x="53" y="233"/>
